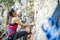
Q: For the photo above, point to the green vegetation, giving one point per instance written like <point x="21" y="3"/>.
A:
<point x="7" y="3"/>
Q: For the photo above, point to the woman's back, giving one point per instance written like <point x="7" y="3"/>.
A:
<point x="12" y="26"/>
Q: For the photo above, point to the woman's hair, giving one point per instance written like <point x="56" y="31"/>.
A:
<point x="11" y="12"/>
<point x="7" y="19"/>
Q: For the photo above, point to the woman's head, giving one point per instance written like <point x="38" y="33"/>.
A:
<point x="12" y="13"/>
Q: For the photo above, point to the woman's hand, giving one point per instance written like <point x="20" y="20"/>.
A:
<point x="32" y="24"/>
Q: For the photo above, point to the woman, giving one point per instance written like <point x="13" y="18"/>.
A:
<point x="13" y="24"/>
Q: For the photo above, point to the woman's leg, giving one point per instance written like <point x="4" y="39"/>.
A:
<point x="23" y="34"/>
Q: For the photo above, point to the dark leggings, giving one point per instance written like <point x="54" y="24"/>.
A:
<point x="19" y="35"/>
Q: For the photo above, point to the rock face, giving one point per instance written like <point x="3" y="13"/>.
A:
<point x="43" y="10"/>
<point x="2" y="16"/>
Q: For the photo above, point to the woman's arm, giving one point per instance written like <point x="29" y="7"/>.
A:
<point x="18" y="21"/>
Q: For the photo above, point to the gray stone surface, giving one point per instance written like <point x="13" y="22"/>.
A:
<point x="43" y="10"/>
